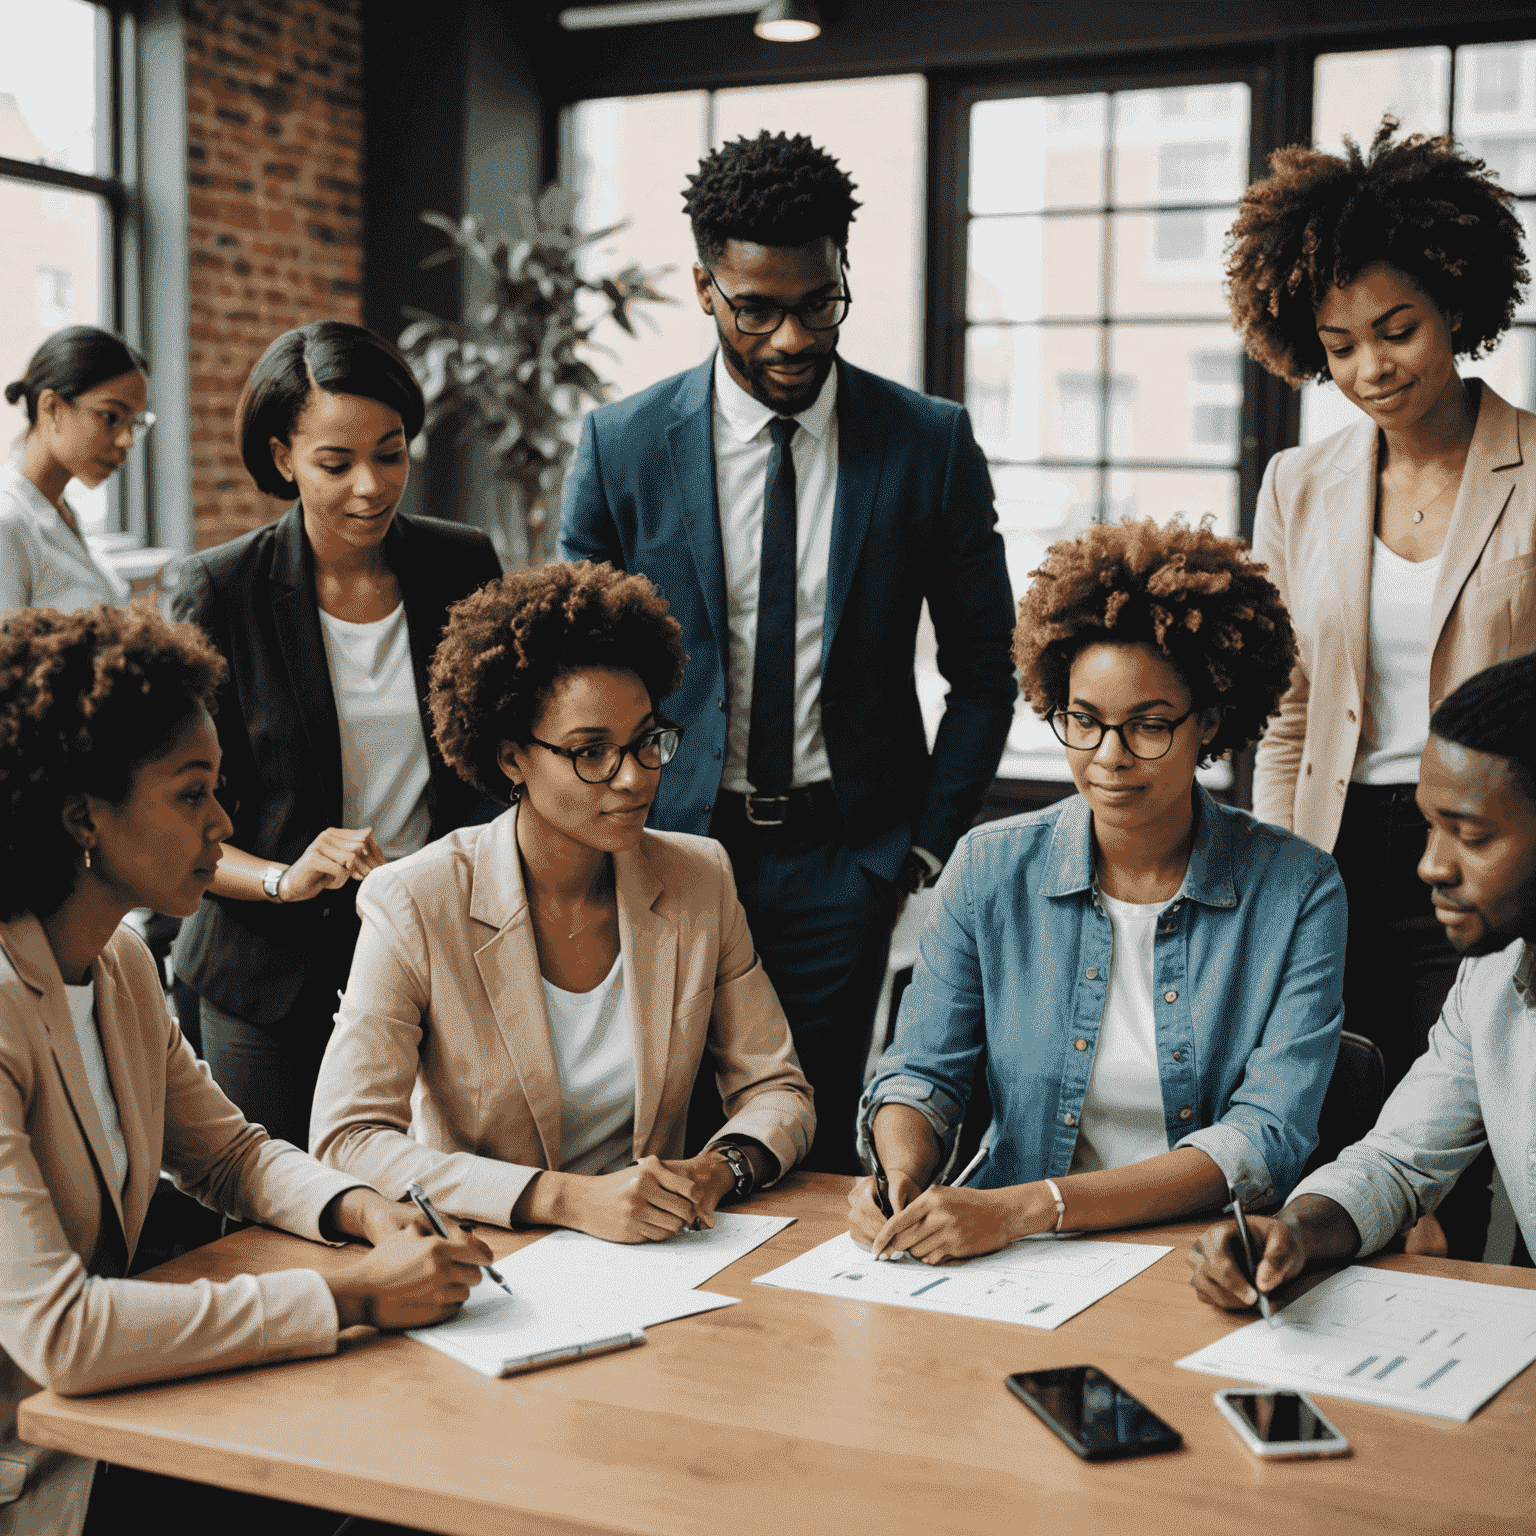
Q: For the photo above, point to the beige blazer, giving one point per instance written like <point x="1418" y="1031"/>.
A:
<point x="444" y="1015"/>
<point x="1314" y="528"/>
<point x="66" y="1233"/>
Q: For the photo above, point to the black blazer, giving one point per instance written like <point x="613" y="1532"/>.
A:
<point x="255" y="599"/>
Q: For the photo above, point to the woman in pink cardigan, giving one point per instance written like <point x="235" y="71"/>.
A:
<point x="1405" y="547"/>
<point x="109" y="769"/>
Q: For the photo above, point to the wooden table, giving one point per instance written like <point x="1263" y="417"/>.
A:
<point x="795" y="1415"/>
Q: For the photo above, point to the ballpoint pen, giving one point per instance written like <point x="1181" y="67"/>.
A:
<point x="427" y="1209"/>
<point x="1250" y="1265"/>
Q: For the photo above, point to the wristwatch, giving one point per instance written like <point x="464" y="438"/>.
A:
<point x="741" y="1169"/>
<point x="272" y="881"/>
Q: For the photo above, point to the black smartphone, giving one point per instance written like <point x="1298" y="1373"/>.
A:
<point x="1098" y="1419"/>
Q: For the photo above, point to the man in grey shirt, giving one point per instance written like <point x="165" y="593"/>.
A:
<point x="1476" y="1084"/>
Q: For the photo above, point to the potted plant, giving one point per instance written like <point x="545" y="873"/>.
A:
<point x="511" y="371"/>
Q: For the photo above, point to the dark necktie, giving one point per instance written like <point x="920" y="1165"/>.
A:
<point x="771" y="734"/>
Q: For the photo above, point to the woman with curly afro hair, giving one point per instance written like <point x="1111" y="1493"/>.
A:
<point x="1405" y="547"/>
<point x="1151" y="978"/>
<point x="109" y="781"/>
<point x="533" y="998"/>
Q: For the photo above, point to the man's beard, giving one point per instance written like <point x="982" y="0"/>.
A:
<point x="766" y="392"/>
<point x="1492" y="939"/>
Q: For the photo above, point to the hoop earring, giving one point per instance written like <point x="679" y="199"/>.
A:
<point x="517" y="793"/>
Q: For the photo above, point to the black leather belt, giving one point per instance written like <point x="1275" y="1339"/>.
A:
<point x="804" y="814"/>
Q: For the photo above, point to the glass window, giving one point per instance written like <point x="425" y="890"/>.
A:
<point x="1101" y="375"/>
<point x="1493" y="116"/>
<point x="48" y="84"/>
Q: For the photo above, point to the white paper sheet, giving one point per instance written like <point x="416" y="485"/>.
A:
<point x="1040" y="1283"/>
<point x="582" y="1263"/>
<point x="1420" y="1342"/>
<point x="494" y="1333"/>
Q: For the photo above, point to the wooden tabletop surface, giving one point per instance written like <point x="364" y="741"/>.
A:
<point x="796" y="1415"/>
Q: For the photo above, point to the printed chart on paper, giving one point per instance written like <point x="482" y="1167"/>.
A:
<point x="1421" y="1342"/>
<point x="1040" y="1283"/>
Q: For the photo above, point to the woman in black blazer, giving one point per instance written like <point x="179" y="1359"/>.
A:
<point x="328" y="618"/>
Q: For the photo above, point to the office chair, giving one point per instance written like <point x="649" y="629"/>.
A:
<point x="1353" y="1102"/>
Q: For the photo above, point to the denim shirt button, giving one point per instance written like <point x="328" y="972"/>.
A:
<point x="1072" y="1119"/>
<point x="1092" y="973"/>
<point x="1079" y="1045"/>
<point x="1170" y="997"/>
<point x="1178" y="1055"/>
<point x="1185" y="1113"/>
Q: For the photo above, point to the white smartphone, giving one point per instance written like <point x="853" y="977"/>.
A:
<point x="1279" y="1425"/>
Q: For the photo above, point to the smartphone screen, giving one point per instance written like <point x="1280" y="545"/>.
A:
<point x="1280" y="1417"/>
<point x="1098" y="1419"/>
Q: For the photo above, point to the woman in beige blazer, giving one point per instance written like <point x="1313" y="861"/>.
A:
<point x="531" y="999"/>
<point x="1405" y="547"/>
<point x="108" y="768"/>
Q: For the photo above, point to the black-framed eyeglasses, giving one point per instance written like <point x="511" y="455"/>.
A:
<point x="1146" y="736"/>
<point x="599" y="761"/>
<point x="754" y="318"/>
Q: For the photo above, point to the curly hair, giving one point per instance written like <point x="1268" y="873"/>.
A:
<point x="1318" y="221"/>
<point x="86" y="699"/>
<point x="771" y="190"/>
<point x="1198" y="599"/>
<point x="508" y="645"/>
<point x="1492" y="712"/>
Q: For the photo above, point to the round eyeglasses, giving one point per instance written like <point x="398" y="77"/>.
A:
<point x="754" y="318"/>
<point x="599" y="761"/>
<point x="1146" y="737"/>
<point x="113" y="422"/>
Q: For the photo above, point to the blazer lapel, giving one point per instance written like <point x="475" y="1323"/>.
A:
<point x="509" y="970"/>
<point x="140" y="1112"/>
<point x="1350" y="504"/>
<point x="1487" y="482"/>
<point x="691" y="452"/>
<point x="861" y="440"/>
<point x="296" y="614"/>
<point x="648" y="943"/>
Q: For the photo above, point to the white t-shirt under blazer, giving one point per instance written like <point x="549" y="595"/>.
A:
<point x="595" y="1057"/>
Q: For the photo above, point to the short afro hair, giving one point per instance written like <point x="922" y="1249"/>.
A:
<point x="1494" y="711"/>
<point x="331" y="355"/>
<point x="1318" y="221"/>
<point x="508" y="645"/>
<point x="86" y="699"/>
<point x="771" y="190"/>
<point x="1199" y="600"/>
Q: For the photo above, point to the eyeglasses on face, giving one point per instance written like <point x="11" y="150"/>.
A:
<point x="1147" y="737"/>
<point x="114" y="421"/>
<point x="754" y="318"/>
<point x="599" y="761"/>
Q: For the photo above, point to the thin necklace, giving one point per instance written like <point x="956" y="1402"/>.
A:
<point x="1418" y="516"/>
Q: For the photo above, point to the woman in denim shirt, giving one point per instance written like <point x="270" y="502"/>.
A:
<point x="1155" y="977"/>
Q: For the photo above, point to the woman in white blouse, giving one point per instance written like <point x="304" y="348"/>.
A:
<point x="328" y="618"/>
<point x="1405" y="547"/>
<point x="84" y="393"/>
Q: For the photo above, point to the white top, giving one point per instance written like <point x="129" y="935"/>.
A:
<point x="384" y="768"/>
<point x="1396" y="723"/>
<point x="44" y="563"/>
<point x="1122" y="1120"/>
<point x="82" y="1009"/>
<point x="595" y="1057"/>
<point x="742" y="448"/>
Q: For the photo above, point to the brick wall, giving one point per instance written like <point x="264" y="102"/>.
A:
<point x="275" y="165"/>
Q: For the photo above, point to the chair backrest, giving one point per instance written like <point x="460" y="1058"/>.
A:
<point x="1353" y="1102"/>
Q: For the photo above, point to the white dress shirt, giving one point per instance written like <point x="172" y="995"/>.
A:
<point x="743" y="444"/>
<point x="384" y="769"/>
<point x="44" y="563"/>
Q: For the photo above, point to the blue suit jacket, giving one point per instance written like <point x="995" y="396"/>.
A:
<point x="913" y="519"/>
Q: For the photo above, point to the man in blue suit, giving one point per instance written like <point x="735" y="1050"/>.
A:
<point x="796" y="512"/>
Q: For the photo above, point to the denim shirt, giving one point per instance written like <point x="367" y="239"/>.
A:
<point x="1247" y="964"/>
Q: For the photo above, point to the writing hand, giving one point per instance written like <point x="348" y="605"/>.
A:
<point x="409" y="1280"/>
<point x="942" y="1224"/>
<point x="1217" y="1261"/>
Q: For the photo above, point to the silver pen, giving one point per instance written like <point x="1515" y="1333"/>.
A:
<point x="427" y="1209"/>
<point x="1250" y="1264"/>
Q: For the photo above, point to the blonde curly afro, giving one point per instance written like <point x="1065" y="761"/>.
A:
<point x="1201" y="601"/>
<point x="508" y="645"/>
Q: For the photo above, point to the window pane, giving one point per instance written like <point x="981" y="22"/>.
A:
<point x="876" y="131"/>
<point x="1496" y="109"/>
<point x="1354" y="90"/>
<point x="51" y="276"/>
<point x="48" y="83"/>
<point x="1033" y="152"/>
<point x="1170" y="263"/>
<point x="1014" y="416"/>
<point x="626" y="159"/>
<point x="1188" y="145"/>
<point x="1511" y="370"/>
<point x="1024" y="269"/>
<point x="1161" y="494"/>
<point x="1324" y="411"/>
<point x="1186" y="383"/>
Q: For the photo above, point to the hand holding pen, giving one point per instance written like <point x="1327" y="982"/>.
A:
<point x="1250" y="1258"/>
<point x="942" y="1222"/>
<point x="427" y="1209"/>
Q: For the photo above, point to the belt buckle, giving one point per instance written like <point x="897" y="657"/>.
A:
<point x="750" y="803"/>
